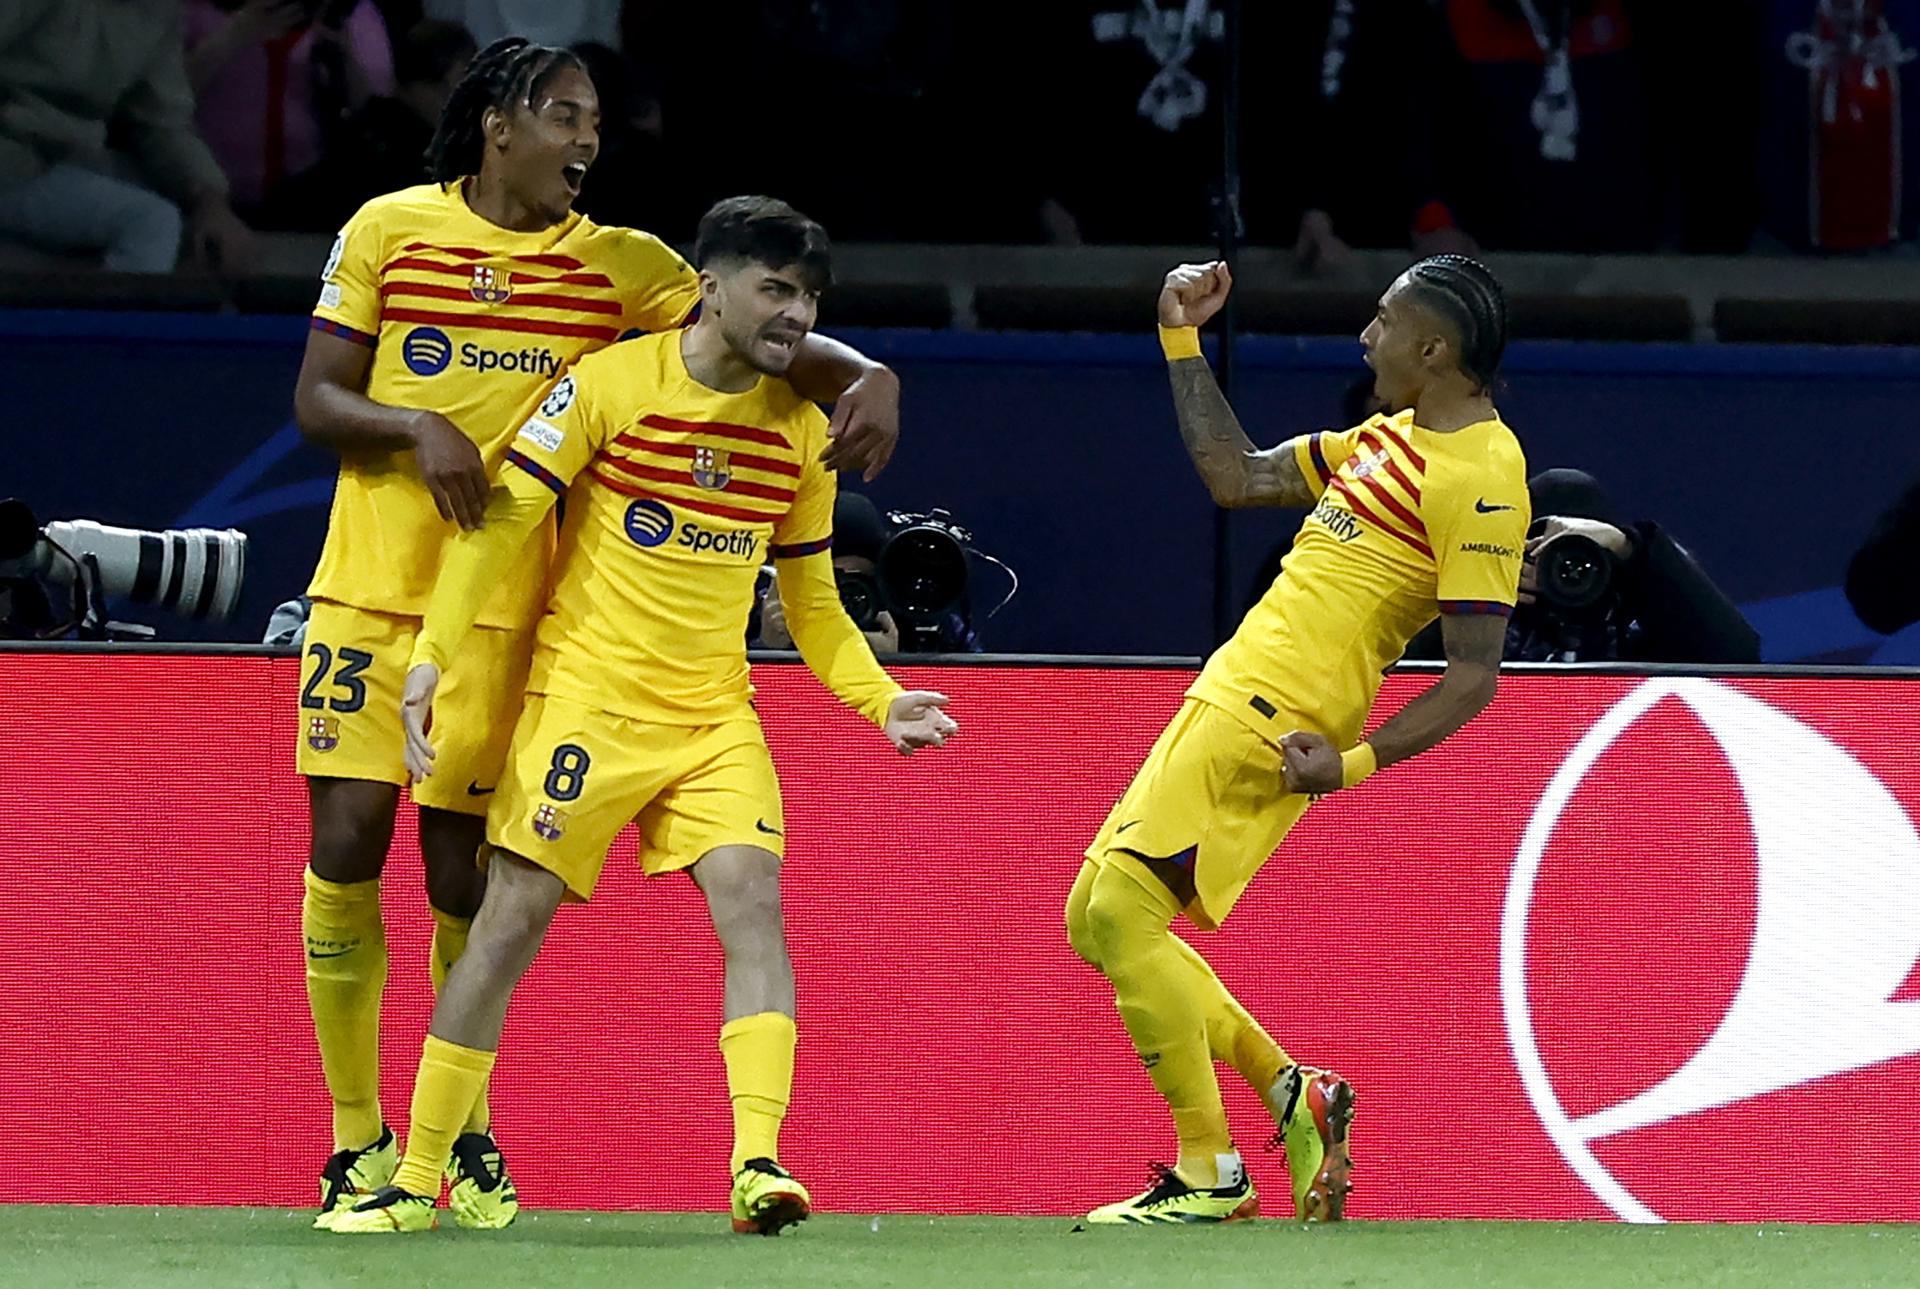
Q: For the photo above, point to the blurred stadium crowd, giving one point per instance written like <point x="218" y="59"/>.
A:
<point x="148" y="132"/>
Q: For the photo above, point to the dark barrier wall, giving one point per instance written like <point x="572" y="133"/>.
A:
<point x="1061" y="453"/>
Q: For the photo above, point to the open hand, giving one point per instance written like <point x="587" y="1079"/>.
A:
<point x="1193" y="293"/>
<point x="416" y="718"/>
<point x="916" y="720"/>
<point x="1310" y="764"/>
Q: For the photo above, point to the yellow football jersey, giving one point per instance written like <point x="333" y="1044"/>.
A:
<point x="1409" y="523"/>
<point x="679" y="494"/>
<point x="469" y="320"/>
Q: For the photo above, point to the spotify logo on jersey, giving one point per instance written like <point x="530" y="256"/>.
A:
<point x="649" y="523"/>
<point x="426" y="351"/>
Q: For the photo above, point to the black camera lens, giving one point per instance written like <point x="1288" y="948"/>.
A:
<point x="1573" y="573"/>
<point x="860" y="597"/>
<point x="924" y="571"/>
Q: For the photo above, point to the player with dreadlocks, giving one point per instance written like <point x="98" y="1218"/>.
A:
<point x="1417" y="512"/>
<point x="443" y="308"/>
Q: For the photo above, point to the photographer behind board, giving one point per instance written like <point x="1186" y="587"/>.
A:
<point x="1592" y="590"/>
<point x="903" y="580"/>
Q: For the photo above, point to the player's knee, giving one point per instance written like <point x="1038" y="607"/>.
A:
<point x="352" y="826"/>
<point x="1112" y="925"/>
<point x="1079" y="933"/>
<point x="450" y="846"/>
<point x="513" y="919"/>
<point x="743" y="896"/>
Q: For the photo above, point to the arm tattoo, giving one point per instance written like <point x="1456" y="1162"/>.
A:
<point x="1210" y="430"/>
<point x="1235" y="473"/>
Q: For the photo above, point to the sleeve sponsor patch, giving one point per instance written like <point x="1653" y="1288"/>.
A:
<point x="559" y="399"/>
<point x="330" y="296"/>
<point x="545" y="434"/>
<point x="333" y="257"/>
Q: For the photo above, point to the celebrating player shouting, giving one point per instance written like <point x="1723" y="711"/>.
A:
<point x="443" y="309"/>
<point x="690" y="459"/>
<point x="1418" y="512"/>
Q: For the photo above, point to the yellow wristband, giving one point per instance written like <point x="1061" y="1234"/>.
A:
<point x="1180" y="342"/>
<point x="1356" y="763"/>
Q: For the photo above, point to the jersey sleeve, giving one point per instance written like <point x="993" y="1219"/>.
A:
<point x="565" y="428"/>
<point x="1320" y="453"/>
<point x="349" y="305"/>
<point x="662" y="290"/>
<point x="807" y="527"/>
<point x="1478" y="526"/>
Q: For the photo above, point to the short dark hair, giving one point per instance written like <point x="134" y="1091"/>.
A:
<point x="510" y="71"/>
<point x="429" y="50"/>
<point x="766" y="231"/>
<point x="1465" y="293"/>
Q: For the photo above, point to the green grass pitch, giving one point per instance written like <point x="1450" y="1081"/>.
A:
<point x="213" y="1248"/>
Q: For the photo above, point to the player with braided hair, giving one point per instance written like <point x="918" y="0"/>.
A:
<point x="443" y="308"/>
<point x="1417" y="512"/>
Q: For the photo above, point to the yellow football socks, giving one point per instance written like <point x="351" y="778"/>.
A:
<point x="450" y="1077"/>
<point x="346" y="972"/>
<point x="449" y="942"/>
<point x="758" y="1050"/>
<point x="1233" y="1036"/>
<point x="1129" y="914"/>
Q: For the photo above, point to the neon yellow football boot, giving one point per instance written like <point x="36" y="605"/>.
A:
<point x="767" y="1199"/>
<point x="1314" y="1110"/>
<point x="352" y="1175"/>
<point x="479" y="1191"/>
<point x="1170" y="1201"/>
<point x="385" y="1212"/>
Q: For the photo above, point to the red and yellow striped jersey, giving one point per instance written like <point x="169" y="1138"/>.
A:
<point x="469" y="320"/>
<point x="1409" y="523"/>
<point x="676" y="494"/>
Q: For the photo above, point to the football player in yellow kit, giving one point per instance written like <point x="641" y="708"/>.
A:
<point x="686" y="459"/>
<point x="1418" y="512"/>
<point x="443" y="309"/>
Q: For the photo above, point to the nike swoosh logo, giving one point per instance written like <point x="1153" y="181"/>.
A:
<point x="761" y="824"/>
<point x="475" y="790"/>
<point x="1482" y="506"/>
<point x="1123" y="827"/>
<point x="337" y="953"/>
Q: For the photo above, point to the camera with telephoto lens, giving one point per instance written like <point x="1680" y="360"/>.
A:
<point x="922" y="572"/>
<point x="55" y="580"/>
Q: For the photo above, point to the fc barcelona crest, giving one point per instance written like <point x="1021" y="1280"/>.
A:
<point x="490" y="285"/>
<point x="549" y="822"/>
<point x="711" y="468"/>
<point x="1371" y="464"/>
<point x="323" y="733"/>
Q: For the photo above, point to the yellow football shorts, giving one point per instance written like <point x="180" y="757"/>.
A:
<point x="1207" y="809"/>
<point x="576" y="775"/>
<point x="352" y="669"/>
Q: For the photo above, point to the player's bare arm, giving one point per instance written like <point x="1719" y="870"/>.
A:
<point x="865" y="427"/>
<point x="1236" y="473"/>
<point x="331" y="406"/>
<point x="1474" y="642"/>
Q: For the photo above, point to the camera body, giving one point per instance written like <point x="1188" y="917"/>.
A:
<point x="1577" y="599"/>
